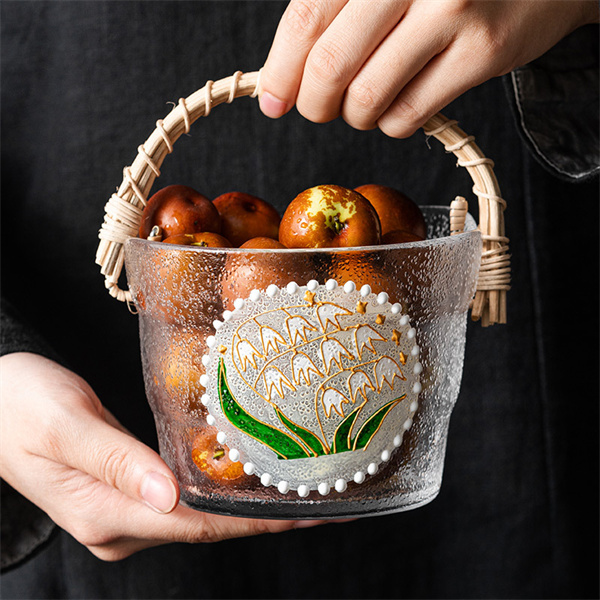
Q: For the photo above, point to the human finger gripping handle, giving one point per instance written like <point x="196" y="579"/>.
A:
<point x="123" y="212"/>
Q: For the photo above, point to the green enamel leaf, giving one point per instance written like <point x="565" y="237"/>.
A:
<point x="278" y="441"/>
<point x="373" y="423"/>
<point x="308" y="437"/>
<point x="341" y="438"/>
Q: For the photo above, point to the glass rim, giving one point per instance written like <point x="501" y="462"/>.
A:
<point x="471" y="229"/>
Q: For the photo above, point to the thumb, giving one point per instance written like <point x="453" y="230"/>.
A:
<point x="105" y="450"/>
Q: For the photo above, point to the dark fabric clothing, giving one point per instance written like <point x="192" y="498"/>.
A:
<point x="25" y="527"/>
<point x="82" y="85"/>
<point x="17" y="335"/>
<point x="555" y="100"/>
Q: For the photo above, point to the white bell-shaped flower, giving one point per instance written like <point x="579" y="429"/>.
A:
<point x="297" y="327"/>
<point x="334" y="399"/>
<point x="302" y="367"/>
<point x="275" y="380"/>
<point x="329" y="314"/>
<point x="364" y="336"/>
<point x="271" y="339"/>
<point x="247" y="353"/>
<point x="332" y="351"/>
<point x="358" y="383"/>
<point x="386" y="370"/>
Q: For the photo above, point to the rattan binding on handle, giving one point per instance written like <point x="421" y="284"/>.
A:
<point x="124" y="209"/>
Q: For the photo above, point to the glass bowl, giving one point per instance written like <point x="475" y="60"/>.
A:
<point x="308" y="383"/>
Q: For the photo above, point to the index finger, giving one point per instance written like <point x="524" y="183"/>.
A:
<point x="301" y="25"/>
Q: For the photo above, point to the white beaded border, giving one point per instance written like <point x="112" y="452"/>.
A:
<point x="293" y="288"/>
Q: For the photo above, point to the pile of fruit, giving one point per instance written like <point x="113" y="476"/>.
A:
<point x="324" y="216"/>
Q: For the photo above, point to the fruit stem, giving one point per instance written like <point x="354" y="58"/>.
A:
<point x="155" y="234"/>
<point x="337" y="224"/>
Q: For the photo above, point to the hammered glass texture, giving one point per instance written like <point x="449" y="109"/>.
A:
<point x="180" y="291"/>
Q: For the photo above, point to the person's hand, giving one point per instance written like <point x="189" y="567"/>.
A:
<point x="393" y="64"/>
<point x="66" y="453"/>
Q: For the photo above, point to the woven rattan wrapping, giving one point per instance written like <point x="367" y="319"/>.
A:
<point x="123" y="211"/>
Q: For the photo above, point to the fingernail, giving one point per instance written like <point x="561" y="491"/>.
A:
<point x="343" y="520"/>
<point x="304" y="524"/>
<point x="271" y="106"/>
<point x="159" y="492"/>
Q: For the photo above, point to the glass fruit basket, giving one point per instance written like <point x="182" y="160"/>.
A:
<point x="306" y="383"/>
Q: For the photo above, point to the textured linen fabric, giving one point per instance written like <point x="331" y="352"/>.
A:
<point x="82" y="85"/>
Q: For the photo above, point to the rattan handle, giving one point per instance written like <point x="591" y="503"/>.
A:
<point x="124" y="208"/>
